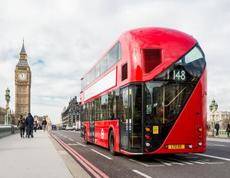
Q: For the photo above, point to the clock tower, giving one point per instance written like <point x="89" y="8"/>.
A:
<point x="22" y="85"/>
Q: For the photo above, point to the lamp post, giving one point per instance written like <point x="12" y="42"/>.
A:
<point x="213" y="108"/>
<point x="7" y="98"/>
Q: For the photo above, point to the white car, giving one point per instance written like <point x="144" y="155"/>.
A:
<point x="69" y="128"/>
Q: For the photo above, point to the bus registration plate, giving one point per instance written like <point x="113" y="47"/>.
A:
<point x="176" y="147"/>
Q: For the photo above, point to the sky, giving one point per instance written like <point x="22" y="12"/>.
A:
<point x="64" y="38"/>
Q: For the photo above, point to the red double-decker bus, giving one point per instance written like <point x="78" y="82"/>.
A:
<point x="147" y="95"/>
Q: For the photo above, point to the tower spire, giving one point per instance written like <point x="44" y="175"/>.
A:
<point x="23" y="51"/>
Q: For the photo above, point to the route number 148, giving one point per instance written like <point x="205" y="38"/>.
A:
<point x="179" y="75"/>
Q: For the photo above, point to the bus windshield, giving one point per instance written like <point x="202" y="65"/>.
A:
<point x="166" y="95"/>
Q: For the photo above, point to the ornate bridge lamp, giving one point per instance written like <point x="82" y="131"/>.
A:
<point x="7" y="97"/>
<point x="213" y="108"/>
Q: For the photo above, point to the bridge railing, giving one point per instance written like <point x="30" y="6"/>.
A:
<point x="6" y="130"/>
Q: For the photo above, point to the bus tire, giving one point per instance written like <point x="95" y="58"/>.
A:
<point x="111" y="143"/>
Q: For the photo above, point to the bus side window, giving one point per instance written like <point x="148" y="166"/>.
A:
<point x="119" y="105"/>
<point x="124" y="72"/>
<point x="110" y="105"/>
<point x="115" y="103"/>
<point x="104" y="107"/>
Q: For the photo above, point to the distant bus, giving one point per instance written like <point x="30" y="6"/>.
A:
<point x="147" y="95"/>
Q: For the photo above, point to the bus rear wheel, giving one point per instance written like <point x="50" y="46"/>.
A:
<point x="111" y="144"/>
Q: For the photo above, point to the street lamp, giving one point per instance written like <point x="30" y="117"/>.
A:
<point x="213" y="108"/>
<point x="7" y="98"/>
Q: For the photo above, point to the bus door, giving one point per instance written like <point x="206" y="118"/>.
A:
<point x="131" y="118"/>
<point x="124" y="118"/>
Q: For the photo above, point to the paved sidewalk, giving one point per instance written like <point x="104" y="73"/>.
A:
<point x="31" y="158"/>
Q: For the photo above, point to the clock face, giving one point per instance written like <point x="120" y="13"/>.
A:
<point x="22" y="76"/>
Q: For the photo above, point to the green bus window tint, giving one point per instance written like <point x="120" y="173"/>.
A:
<point x="111" y="100"/>
<point x="165" y="100"/>
<point x="89" y="111"/>
<point x="98" y="70"/>
<point x="188" y="68"/>
<point x="93" y="113"/>
<point x="135" y="123"/>
<point x="125" y="104"/>
<point x="113" y="56"/>
<point x="86" y="112"/>
<point x="97" y="105"/>
<point x="104" y="107"/>
<point x="104" y="64"/>
<point x="166" y="95"/>
<point x="116" y="104"/>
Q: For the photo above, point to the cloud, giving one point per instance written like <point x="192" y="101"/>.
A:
<point x="64" y="38"/>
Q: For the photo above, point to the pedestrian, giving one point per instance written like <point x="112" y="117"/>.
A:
<point x="44" y="123"/>
<point x="22" y="125"/>
<point x="35" y="126"/>
<point x="29" y="125"/>
<point x="217" y="127"/>
<point x="228" y="129"/>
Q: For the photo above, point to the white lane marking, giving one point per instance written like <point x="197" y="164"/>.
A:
<point x="178" y="163"/>
<point x="156" y="165"/>
<point x="198" y="162"/>
<point x="71" y="139"/>
<point x="81" y="144"/>
<point x="101" y="154"/>
<point x="175" y="162"/>
<point x="211" y="156"/>
<point x="141" y="173"/>
<point x="187" y="162"/>
<point x="138" y="162"/>
<point x="213" y="162"/>
<point x="213" y="144"/>
<point x="72" y="144"/>
<point x="146" y="165"/>
<point x="163" y="162"/>
<point x="182" y="162"/>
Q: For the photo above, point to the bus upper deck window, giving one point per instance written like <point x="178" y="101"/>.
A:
<point x="124" y="72"/>
<point x="152" y="58"/>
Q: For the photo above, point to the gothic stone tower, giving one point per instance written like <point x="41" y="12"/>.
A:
<point x="22" y="85"/>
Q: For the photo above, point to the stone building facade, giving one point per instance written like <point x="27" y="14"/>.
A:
<point x="222" y="117"/>
<point x="71" y="114"/>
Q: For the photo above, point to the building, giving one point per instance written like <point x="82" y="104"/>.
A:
<point x="71" y="114"/>
<point x="22" y="85"/>
<point x="222" y="117"/>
